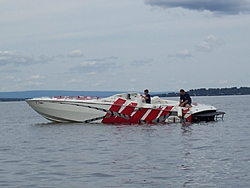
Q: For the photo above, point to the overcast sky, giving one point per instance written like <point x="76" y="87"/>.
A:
<point x="129" y="45"/>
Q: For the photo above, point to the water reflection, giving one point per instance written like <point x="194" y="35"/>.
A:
<point x="186" y="130"/>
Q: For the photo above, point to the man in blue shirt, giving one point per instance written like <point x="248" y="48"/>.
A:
<point x="185" y="99"/>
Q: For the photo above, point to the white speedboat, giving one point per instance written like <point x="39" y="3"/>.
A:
<point x="124" y="108"/>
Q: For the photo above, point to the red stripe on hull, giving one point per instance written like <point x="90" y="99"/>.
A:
<point x="138" y="115"/>
<point x="189" y="118"/>
<point x="114" y="108"/>
<point x="127" y="111"/>
<point x="152" y="115"/>
<point x="165" y="111"/>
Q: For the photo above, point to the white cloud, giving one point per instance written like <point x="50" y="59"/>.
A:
<point x="92" y="73"/>
<point x="209" y="44"/>
<point x="75" y="54"/>
<point x="181" y="54"/>
<point x="75" y="81"/>
<point x="35" y="76"/>
<point x="88" y="64"/>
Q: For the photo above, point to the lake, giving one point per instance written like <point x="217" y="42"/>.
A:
<point x="37" y="153"/>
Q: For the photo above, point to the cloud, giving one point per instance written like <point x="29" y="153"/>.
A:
<point x="31" y="83"/>
<point x="181" y="54"/>
<point x="35" y="76"/>
<point x="216" y="6"/>
<point x="15" y="57"/>
<point x="97" y="84"/>
<point x="92" y="73"/>
<point x="21" y="58"/>
<point x="141" y="62"/>
<point x="42" y="59"/>
<point x="94" y="66"/>
<point x="209" y="44"/>
<point x="223" y="81"/>
<point x="104" y="59"/>
<point x="59" y="56"/>
<point x="75" y="54"/>
<point x="75" y="81"/>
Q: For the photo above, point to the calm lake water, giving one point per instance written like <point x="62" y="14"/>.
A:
<point x="36" y="153"/>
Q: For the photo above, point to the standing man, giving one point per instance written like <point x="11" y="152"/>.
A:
<point x="185" y="99"/>
<point x="146" y="96"/>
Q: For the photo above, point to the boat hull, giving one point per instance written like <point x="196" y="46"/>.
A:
<point x="66" y="111"/>
<point x="207" y="116"/>
<point x="115" y="113"/>
<point x="118" y="110"/>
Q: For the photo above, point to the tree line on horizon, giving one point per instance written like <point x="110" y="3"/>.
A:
<point x="212" y="92"/>
<point x="192" y="92"/>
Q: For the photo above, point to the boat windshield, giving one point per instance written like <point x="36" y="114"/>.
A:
<point x="128" y="96"/>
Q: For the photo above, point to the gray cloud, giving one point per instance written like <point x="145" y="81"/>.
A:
<point x="216" y="6"/>
<point x="94" y="66"/>
<point x="15" y="57"/>
<point x="142" y="62"/>
<point x="21" y="58"/>
<point x="104" y="59"/>
<point x="59" y="56"/>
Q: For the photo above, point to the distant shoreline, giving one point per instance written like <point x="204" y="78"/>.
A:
<point x="160" y="95"/>
<point x="177" y="95"/>
<point x="14" y="96"/>
<point x="212" y="92"/>
<point x="11" y="99"/>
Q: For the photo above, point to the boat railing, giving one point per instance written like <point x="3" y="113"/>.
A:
<point x="76" y="97"/>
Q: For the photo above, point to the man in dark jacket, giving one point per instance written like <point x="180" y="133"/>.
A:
<point x="146" y="96"/>
<point x="185" y="99"/>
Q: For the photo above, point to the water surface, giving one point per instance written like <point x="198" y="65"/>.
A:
<point x="37" y="153"/>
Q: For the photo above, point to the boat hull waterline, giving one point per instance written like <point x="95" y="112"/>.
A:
<point x="118" y="109"/>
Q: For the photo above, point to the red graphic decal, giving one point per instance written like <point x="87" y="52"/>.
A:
<point x="152" y="115"/>
<point x="189" y="118"/>
<point x="138" y="115"/>
<point x="165" y="111"/>
<point x="185" y="111"/>
<point x="114" y="108"/>
<point x="126" y="111"/>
